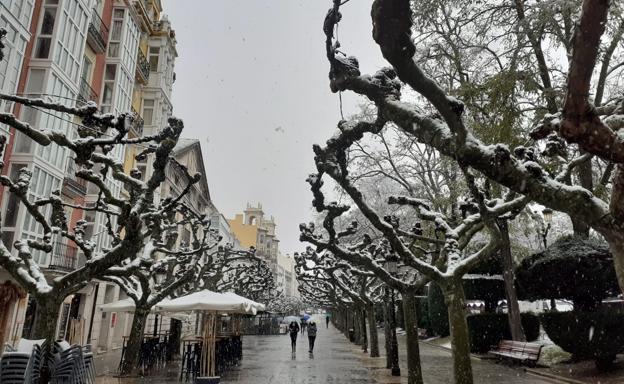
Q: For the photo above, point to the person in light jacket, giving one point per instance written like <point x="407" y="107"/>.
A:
<point x="311" y="335"/>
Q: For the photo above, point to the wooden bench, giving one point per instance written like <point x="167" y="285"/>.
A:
<point x="518" y="350"/>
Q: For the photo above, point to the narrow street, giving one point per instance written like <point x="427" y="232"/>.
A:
<point x="268" y="359"/>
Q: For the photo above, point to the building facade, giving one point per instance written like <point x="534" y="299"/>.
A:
<point x="253" y="229"/>
<point x="121" y="55"/>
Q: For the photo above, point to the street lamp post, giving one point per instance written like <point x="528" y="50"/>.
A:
<point x="391" y="267"/>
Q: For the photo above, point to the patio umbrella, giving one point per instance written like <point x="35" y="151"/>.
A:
<point x="208" y="301"/>
<point x="123" y="305"/>
<point x="259" y="306"/>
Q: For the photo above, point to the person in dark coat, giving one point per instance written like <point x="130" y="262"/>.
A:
<point x="311" y="335"/>
<point x="293" y="329"/>
<point x="327" y="321"/>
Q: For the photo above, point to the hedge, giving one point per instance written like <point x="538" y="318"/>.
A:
<point x="488" y="329"/>
<point x="571" y="268"/>
<point x="595" y="335"/>
<point x="422" y="313"/>
<point x="438" y="313"/>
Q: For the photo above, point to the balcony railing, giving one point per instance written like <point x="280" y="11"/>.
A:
<point x="137" y="123"/>
<point x="64" y="257"/>
<point x="142" y="68"/>
<point x="98" y="33"/>
<point x="71" y="183"/>
<point x="86" y="92"/>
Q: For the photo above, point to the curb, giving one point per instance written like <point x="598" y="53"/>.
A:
<point x="472" y="355"/>
<point x="552" y="376"/>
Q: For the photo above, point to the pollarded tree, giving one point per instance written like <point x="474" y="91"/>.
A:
<point x="435" y="251"/>
<point x="167" y="267"/>
<point x="247" y="275"/>
<point x="132" y="221"/>
<point x="592" y="129"/>
<point x="360" y="286"/>
<point x="445" y="130"/>
<point x="287" y="305"/>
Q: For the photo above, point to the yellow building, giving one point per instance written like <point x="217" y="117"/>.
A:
<point x="252" y="229"/>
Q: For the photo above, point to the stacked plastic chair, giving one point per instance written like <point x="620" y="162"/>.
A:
<point x="13" y="367"/>
<point x="21" y="367"/>
<point x="67" y="365"/>
<point x="89" y="365"/>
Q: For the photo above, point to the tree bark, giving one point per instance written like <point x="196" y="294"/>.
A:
<point x="387" y="336"/>
<point x="46" y="318"/>
<point x="133" y="349"/>
<point x="372" y="329"/>
<point x="585" y="175"/>
<point x="513" y="309"/>
<point x="362" y="316"/>
<point x="460" y="338"/>
<point x="414" y="370"/>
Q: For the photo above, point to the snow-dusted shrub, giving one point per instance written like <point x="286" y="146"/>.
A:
<point x="595" y="335"/>
<point x="572" y="268"/>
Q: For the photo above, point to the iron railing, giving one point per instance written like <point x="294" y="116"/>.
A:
<point x="137" y="123"/>
<point x="64" y="257"/>
<point x="86" y="92"/>
<point x="98" y="33"/>
<point x="143" y="67"/>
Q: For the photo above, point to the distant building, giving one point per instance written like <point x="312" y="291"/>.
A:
<point x="252" y="229"/>
<point x="286" y="278"/>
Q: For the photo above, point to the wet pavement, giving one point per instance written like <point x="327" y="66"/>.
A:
<point x="437" y="365"/>
<point x="268" y="359"/>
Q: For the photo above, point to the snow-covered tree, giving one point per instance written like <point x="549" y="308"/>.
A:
<point x="362" y="289"/>
<point x="135" y="224"/>
<point x="438" y="120"/>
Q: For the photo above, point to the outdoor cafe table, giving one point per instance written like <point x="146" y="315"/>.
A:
<point x="228" y="352"/>
<point x="153" y="351"/>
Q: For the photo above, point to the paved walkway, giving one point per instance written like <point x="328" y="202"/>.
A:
<point x="268" y="359"/>
<point x="437" y="365"/>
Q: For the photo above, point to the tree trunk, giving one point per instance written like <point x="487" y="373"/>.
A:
<point x="362" y="316"/>
<point x="414" y="370"/>
<point x="460" y="338"/>
<point x="585" y="175"/>
<point x="46" y="318"/>
<point x="513" y="309"/>
<point x="387" y="336"/>
<point x="372" y="329"/>
<point x="135" y="341"/>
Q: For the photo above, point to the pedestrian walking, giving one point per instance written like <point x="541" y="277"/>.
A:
<point x="311" y="336"/>
<point x="304" y="325"/>
<point x="327" y="321"/>
<point x="293" y="329"/>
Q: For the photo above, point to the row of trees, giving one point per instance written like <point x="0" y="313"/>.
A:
<point x="145" y="255"/>
<point x="426" y="174"/>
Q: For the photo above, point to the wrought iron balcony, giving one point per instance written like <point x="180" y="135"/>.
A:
<point x="64" y="257"/>
<point x="72" y="185"/>
<point x="138" y="123"/>
<point x="86" y="92"/>
<point x="142" y="68"/>
<point x="97" y="36"/>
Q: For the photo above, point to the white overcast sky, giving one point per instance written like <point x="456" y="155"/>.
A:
<point x="252" y="86"/>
